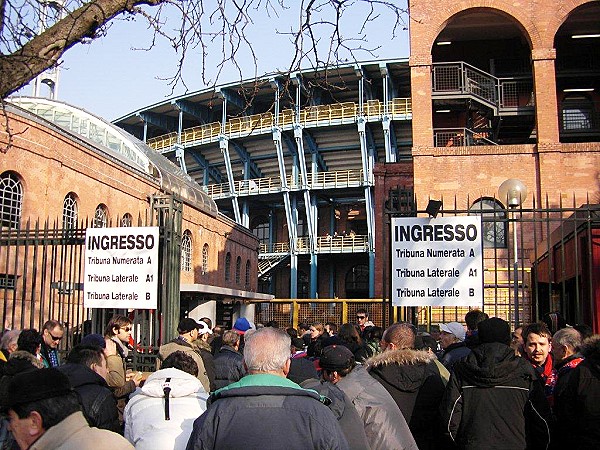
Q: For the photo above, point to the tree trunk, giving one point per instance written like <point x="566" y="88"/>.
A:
<point x="44" y="50"/>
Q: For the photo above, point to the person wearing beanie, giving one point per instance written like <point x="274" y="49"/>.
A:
<point x="188" y="333"/>
<point x="452" y="339"/>
<point x="493" y="398"/>
<point x="384" y="424"/>
<point x="50" y="417"/>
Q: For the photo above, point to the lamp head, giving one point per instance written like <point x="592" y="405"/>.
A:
<point x="513" y="192"/>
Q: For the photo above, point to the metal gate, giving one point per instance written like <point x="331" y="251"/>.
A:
<point x="41" y="278"/>
<point x="539" y="260"/>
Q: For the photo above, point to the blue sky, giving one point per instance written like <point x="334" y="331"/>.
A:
<point x="109" y="78"/>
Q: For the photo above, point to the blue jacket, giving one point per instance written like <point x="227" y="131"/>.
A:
<point x="265" y="412"/>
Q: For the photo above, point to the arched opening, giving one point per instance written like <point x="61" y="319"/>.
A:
<point x="577" y="44"/>
<point x="11" y="200"/>
<point x="482" y="82"/>
<point x="186" y="251"/>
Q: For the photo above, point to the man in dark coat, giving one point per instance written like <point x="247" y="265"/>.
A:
<point x="493" y="398"/>
<point x="86" y="369"/>
<point x="301" y="368"/>
<point x="413" y="379"/>
<point x="229" y="367"/>
<point x="52" y="333"/>
<point x="264" y="409"/>
<point x="579" y="405"/>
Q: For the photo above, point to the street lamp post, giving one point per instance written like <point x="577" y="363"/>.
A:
<point x="514" y="192"/>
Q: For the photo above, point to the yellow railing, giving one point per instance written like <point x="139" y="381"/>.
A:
<point x="340" y="178"/>
<point x="325" y="244"/>
<point x="261" y="123"/>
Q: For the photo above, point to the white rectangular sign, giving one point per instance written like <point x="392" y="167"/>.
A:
<point x="121" y="268"/>
<point x="437" y="262"/>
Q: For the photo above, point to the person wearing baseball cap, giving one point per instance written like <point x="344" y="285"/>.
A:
<point x="452" y="339"/>
<point x="384" y="424"/>
<point x="188" y="333"/>
<point x="44" y="413"/>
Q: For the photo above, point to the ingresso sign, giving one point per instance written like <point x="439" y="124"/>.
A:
<point x="121" y="268"/>
<point x="437" y="262"/>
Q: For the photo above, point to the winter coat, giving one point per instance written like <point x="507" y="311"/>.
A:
<point x="145" y="423"/>
<point x="205" y="351"/>
<point x="229" y="367"/>
<point x="97" y="400"/>
<point x="384" y="424"/>
<point x="344" y="412"/>
<point x="453" y="353"/>
<point x="117" y="383"/>
<point x="264" y="411"/>
<point x="495" y="401"/>
<point x="179" y="344"/>
<point x="414" y="382"/>
<point x="74" y="433"/>
<point x="580" y="405"/>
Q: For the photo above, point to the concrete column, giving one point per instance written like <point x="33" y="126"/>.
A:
<point x="544" y="82"/>
<point x="422" y="118"/>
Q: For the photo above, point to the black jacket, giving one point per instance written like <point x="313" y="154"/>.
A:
<point x="97" y="400"/>
<point x="302" y="369"/>
<point x="228" y="366"/>
<point x="494" y="401"/>
<point x="266" y="412"/>
<point x="413" y="380"/>
<point x="579" y="404"/>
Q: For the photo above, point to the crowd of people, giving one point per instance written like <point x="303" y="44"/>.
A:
<point x="320" y="386"/>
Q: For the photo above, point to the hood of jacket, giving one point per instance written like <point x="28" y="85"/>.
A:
<point x="492" y="364"/>
<point x="80" y="375"/>
<point x="263" y="384"/>
<point x="405" y="369"/>
<point x="181" y="383"/>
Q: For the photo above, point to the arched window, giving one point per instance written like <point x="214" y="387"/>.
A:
<point x="357" y="282"/>
<point x="126" y="220"/>
<point x="228" y="266"/>
<point x="11" y="200"/>
<point x="247" y="279"/>
<point x="186" y="251"/>
<point x="494" y="226"/>
<point x="205" y="259"/>
<point x="101" y="216"/>
<point x="238" y="270"/>
<point x="70" y="211"/>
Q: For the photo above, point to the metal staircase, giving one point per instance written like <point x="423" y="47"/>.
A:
<point x="268" y="263"/>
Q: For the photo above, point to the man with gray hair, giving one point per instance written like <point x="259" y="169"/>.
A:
<point x="264" y="409"/>
<point x="565" y="351"/>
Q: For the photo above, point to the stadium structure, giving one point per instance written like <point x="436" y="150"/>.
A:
<point x="312" y="161"/>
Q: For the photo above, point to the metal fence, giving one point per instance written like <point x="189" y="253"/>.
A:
<point x="552" y="266"/>
<point x="42" y="276"/>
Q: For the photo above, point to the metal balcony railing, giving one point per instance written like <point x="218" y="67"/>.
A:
<point x="324" y="244"/>
<point x="267" y="185"/>
<point x="313" y="116"/>
<point x="502" y="94"/>
<point x="460" y="137"/>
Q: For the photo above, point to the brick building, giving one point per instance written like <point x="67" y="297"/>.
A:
<point x="60" y="163"/>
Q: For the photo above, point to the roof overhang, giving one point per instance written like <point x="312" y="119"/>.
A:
<point x="237" y="294"/>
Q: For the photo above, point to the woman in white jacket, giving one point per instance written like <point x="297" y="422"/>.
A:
<point x="161" y="414"/>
